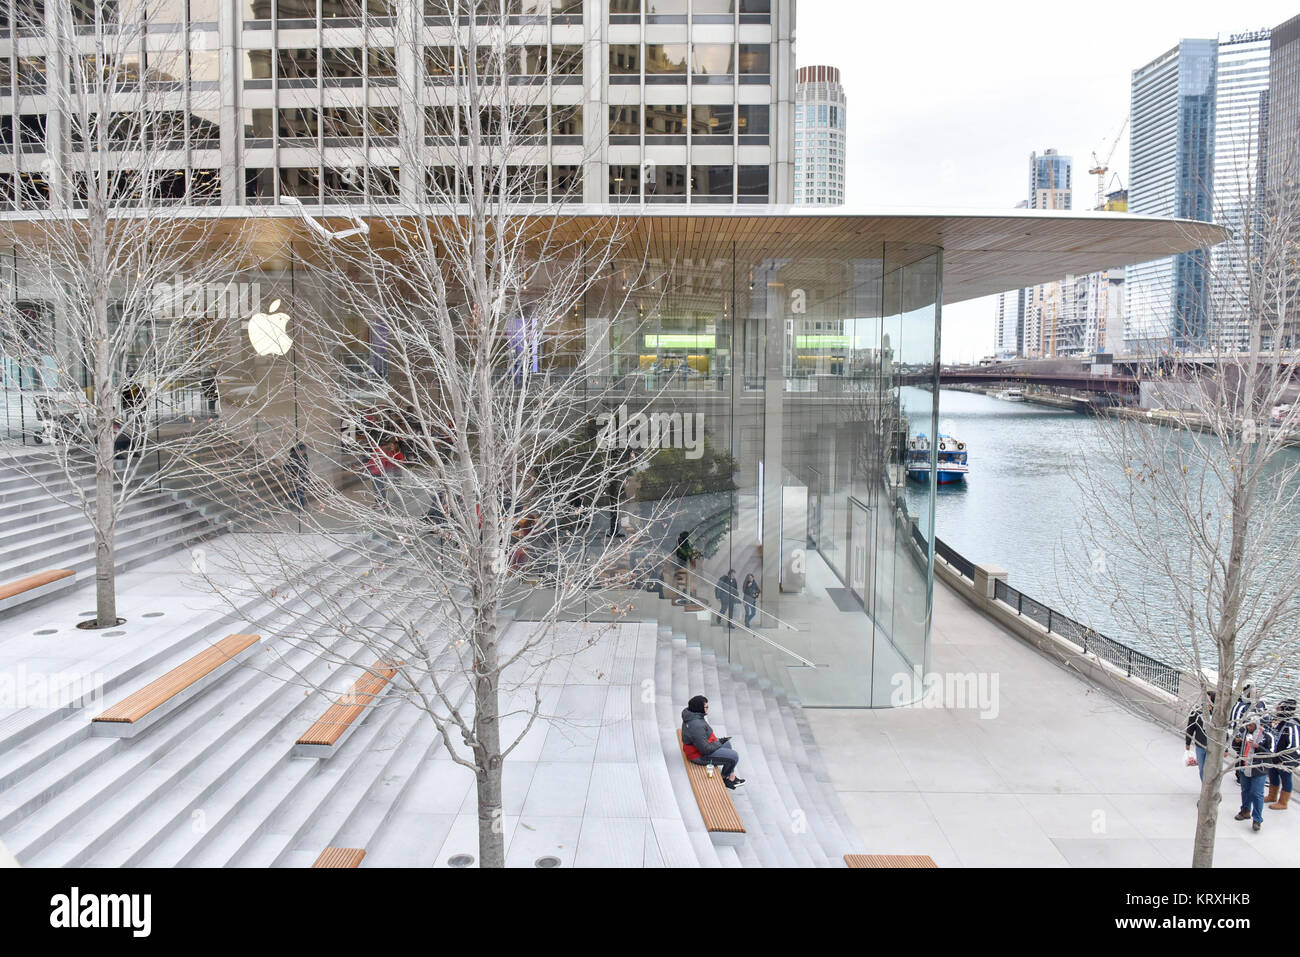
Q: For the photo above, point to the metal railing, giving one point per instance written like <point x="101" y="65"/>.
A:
<point x="1134" y="663"/>
<point x="749" y="631"/>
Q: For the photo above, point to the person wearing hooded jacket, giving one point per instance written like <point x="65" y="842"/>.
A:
<point x="1287" y="757"/>
<point x="701" y="745"/>
<point x="1256" y="747"/>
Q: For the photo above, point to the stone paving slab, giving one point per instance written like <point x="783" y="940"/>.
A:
<point x="1063" y="775"/>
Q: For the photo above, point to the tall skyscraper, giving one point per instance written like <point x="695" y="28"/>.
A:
<point x="819" y="128"/>
<point x="1050" y="187"/>
<point x="1009" y="320"/>
<point x="1241" y="93"/>
<point x="1171" y="173"/>
<point x="1280" y="142"/>
<point x="1050" y="180"/>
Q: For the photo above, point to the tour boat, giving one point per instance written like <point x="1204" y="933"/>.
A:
<point x="952" y="459"/>
<point x="1010" y="395"/>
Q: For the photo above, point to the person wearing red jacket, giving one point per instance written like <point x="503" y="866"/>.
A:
<point x="385" y="460"/>
<point x="701" y="745"/>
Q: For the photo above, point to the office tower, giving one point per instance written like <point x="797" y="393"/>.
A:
<point x="656" y="101"/>
<point x="819" y="132"/>
<point x="1171" y="173"/>
<point x="1050" y="187"/>
<point x="1281" y="132"/>
<point x="1240" y="96"/>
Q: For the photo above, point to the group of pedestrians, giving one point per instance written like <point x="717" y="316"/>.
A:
<point x="729" y="593"/>
<point x="1266" y="743"/>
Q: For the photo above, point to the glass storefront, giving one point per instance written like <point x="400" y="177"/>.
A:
<point x="784" y="386"/>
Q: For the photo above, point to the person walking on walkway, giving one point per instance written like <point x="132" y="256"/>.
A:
<point x="1196" y="733"/>
<point x="1255" y="746"/>
<point x="1287" y="757"/>
<point x="702" y="746"/>
<point x="750" y="591"/>
<point x="727" y="591"/>
<point x="1245" y="704"/>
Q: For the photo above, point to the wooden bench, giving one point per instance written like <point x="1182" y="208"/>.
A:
<point x="163" y="695"/>
<point x="340" y="857"/>
<point x="889" y="860"/>
<point x="343" y="717"/>
<point x="34" y="586"/>
<point x="720" y="817"/>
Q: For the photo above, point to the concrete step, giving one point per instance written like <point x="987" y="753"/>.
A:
<point x="44" y="761"/>
<point x="132" y="542"/>
<point x="230" y="740"/>
<point x="667" y="712"/>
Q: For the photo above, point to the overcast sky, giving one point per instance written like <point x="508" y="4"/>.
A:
<point x="948" y="99"/>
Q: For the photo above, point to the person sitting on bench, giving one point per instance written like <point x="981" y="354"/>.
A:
<point x="702" y="746"/>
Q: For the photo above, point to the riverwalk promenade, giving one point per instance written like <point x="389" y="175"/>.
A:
<point x="1059" y="773"/>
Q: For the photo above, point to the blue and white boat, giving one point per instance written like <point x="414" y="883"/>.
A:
<point x="951" y="455"/>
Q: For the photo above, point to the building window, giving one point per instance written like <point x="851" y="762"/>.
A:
<point x="624" y="11"/>
<point x="300" y="181"/>
<point x="712" y="184"/>
<point x="665" y="62"/>
<point x="259" y="186"/>
<point x="566" y="183"/>
<point x="665" y="184"/>
<point x="712" y="62"/>
<point x="625" y="125"/>
<point x="753" y="122"/>
<point x="712" y="123"/>
<point x="755" y="62"/>
<point x="341" y="66"/>
<point x="666" y="11"/>
<point x="624" y="63"/>
<point x="665" y="124"/>
<point x="624" y="182"/>
<point x="752" y="184"/>
<point x="297" y="68"/>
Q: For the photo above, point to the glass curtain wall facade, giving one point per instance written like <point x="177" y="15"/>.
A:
<point x="795" y="379"/>
<point x="1172" y="174"/>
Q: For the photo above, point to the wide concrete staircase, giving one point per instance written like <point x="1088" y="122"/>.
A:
<point x="215" y="783"/>
<point x="38" y="532"/>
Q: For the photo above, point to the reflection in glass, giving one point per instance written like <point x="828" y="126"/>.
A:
<point x="624" y="59"/>
<point x="755" y="58"/>
<point x="712" y="59"/>
<point x="669" y="120"/>
<point x="665" y="58"/>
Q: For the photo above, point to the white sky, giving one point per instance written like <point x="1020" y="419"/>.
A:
<point x="947" y="98"/>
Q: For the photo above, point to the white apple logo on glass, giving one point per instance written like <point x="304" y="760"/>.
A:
<point x="267" y="332"/>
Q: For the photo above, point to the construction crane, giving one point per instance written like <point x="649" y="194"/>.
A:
<point x="1101" y="168"/>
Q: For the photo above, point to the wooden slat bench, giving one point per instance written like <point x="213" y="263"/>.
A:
<point x="342" y="717"/>
<point x="340" y="857"/>
<point x="889" y="860"/>
<point x="720" y="817"/>
<point x="34" y="586"/>
<point x="163" y="695"/>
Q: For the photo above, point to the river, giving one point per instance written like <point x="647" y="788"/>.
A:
<point x="1019" y="508"/>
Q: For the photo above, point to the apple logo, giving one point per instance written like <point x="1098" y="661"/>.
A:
<point x="267" y="332"/>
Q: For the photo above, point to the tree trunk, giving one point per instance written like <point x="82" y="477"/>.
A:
<point x="105" y="513"/>
<point x="1207" y="805"/>
<point x="487" y="733"/>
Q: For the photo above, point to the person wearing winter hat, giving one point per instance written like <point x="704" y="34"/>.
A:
<point x="702" y="746"/>
<point x="1255" y="745"/>
<point x="1288" y="756"/>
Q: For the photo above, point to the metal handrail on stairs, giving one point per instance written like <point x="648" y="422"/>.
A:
<point x="747" y="630"/>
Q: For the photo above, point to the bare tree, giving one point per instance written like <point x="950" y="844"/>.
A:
<point x="447" y="343"/>
<point x="118" y="288"/>
<point x="1180" y="508"/>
